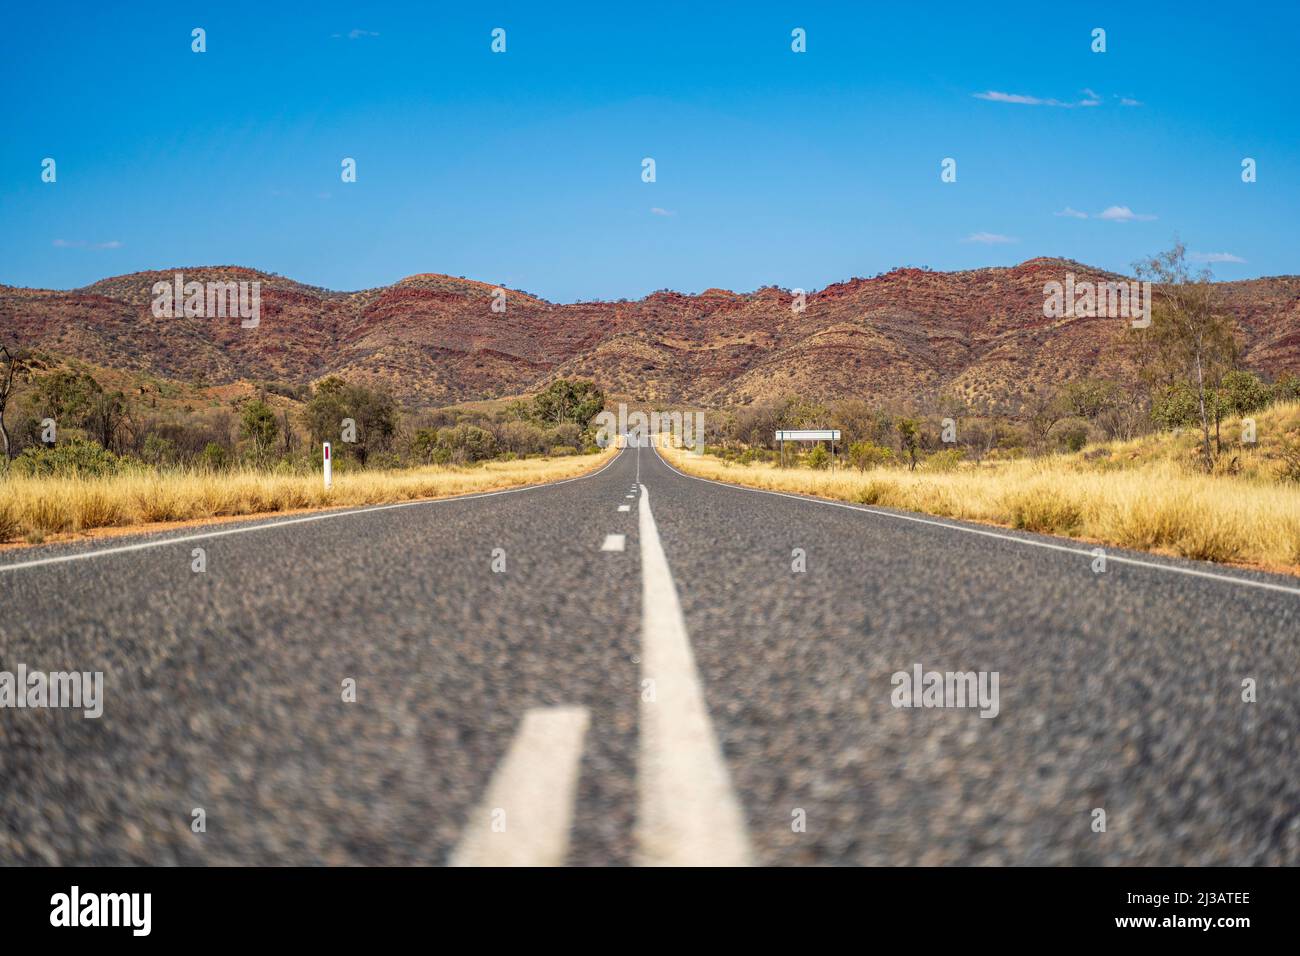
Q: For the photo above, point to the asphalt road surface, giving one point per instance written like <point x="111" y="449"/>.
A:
<point x="630" y="668"/>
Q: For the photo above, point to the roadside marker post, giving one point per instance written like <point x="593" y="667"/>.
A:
<point x="328" y="466"/>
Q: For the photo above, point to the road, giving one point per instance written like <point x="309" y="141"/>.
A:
<point x="626" y="668"/>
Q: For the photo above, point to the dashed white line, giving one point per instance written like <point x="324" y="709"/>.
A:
<point x="614" y="542"/>
<point x="687" y="812"/>
<point x="526" y="814"/>
<point x="624" y="507"/>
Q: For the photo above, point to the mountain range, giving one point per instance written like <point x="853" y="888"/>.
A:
<point x="435" y="339"/>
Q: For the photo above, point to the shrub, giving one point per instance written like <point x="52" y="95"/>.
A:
<point x="71" y="458"/>
<point x="819" y="458"/>
<point x="214" y="457"/>
<point x="1243" y="392"/>
<point x="1289" y="453"/>
<point x="864" y="455"/>
<point x="461" y="443"/>
<point x="943" y="461"/>
<point x="520" y="438"/>
<point x="1286" y="388"/>
<point x="1175" y="406"/>
<point x="567" y="434"/>
<point x="1073" y="439"/>
<point x="158" y="450"/>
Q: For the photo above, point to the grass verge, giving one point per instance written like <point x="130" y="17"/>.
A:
<point x="1157" y="506"/>
<point x="36" y="509"/>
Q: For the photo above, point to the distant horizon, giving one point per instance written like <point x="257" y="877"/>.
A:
<point x="706" y="289"/>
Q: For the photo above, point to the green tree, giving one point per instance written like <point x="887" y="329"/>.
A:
<point x="12" y="365"/>
<point x="1243" y="392"/>
<point x="373" y="412"/>
<point x="568" y="401"/>
<point x="1189" y="339"/>
<point x="1174" y="406"/>
<point x="106" y="417"/>
<point x="257" y="423"/>
<point x="909" y="439"/>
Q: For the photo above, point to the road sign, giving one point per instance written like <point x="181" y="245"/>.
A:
<point x="809" y="434"/>
<point x="831" y="435"/>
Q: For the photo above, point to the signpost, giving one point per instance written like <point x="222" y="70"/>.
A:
<point x="328" y="468"/>
<point x="831" y="435"/>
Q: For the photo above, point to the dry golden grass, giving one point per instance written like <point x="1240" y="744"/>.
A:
<point x="33" y="508"/>
<point x="1152" y="504"/>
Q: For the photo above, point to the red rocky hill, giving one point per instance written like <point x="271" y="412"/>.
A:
<point x="434" y="339"/>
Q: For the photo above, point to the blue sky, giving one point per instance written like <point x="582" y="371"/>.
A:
<point x="524" y="168"/>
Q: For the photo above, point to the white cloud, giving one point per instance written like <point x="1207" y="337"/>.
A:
<point x="1129" y="101"/>
<point x="354" y="34"/>
<point x="662" y="212"/>
<point x="83" y="244"/>
<point x="1214" y="257"/>
<point x="1024" y="99"/>
<point x="989" y="238"/>
<point x="1020" y="98"/>
<point x="1123" y="214"/>
<point x="1071" y="213"/>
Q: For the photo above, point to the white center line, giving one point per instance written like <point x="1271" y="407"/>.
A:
<point x="624" y="507"/>
<point x="687" y="812"/>
<point x="527" y="811"/>
<point x="614" y="542"/>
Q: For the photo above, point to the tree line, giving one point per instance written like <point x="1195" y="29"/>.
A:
<point x="55" y="419"/>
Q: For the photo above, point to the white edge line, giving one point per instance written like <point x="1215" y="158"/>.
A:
<point x="1116" y="558"/>
<point x="272" y="523"/>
